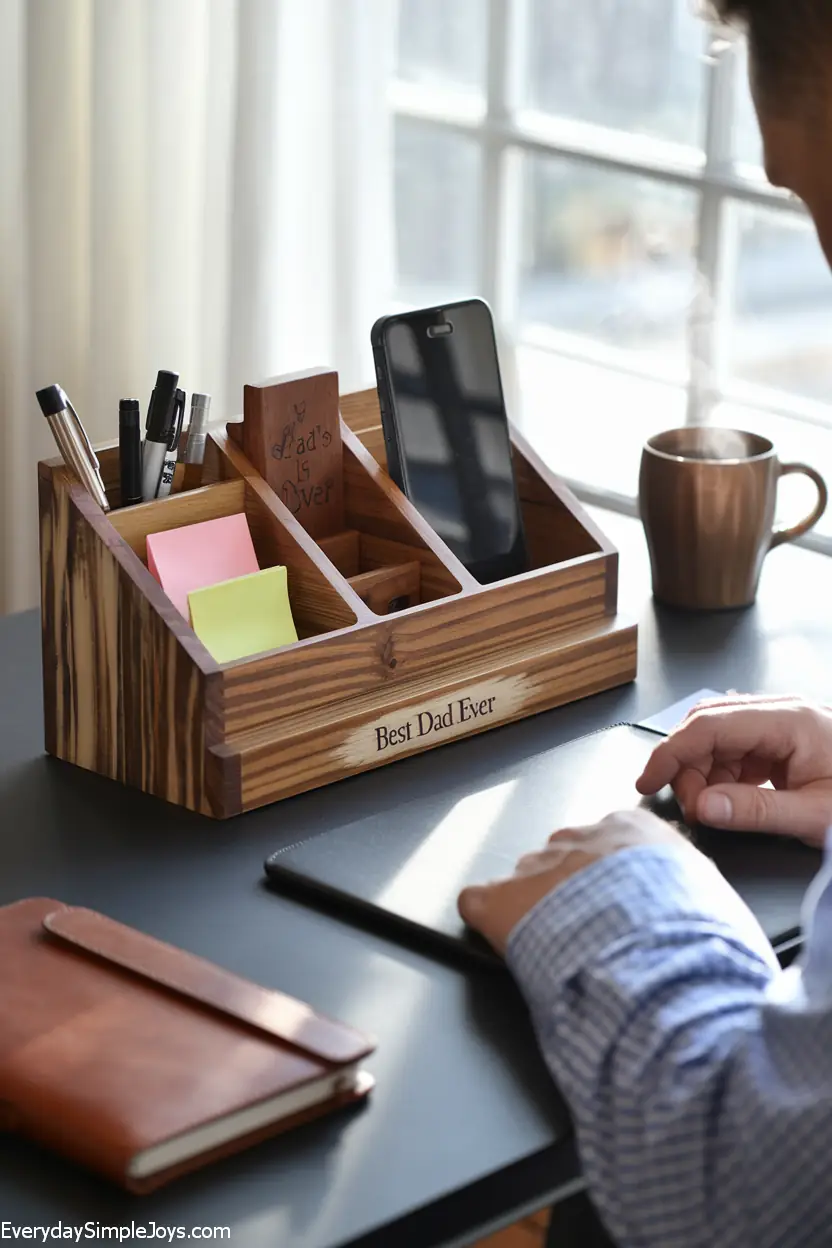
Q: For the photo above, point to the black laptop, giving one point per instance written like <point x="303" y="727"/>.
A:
<point x="402" y="874"/>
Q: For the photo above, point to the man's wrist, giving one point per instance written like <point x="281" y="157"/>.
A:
<point x="625" y="898"/>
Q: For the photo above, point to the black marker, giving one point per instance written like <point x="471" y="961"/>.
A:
<point x="172" y="453"/>
<point x="130" y="451"/>
<point x="160" y="419"/>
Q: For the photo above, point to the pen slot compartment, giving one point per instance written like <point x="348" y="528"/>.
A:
<point x="186" y="477"/>
<point x="317" y="607"/>
<point x="207" y="503"/>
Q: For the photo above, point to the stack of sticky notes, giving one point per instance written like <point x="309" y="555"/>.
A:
<point x="211" y="575"/>
<point x="243" y="616"/>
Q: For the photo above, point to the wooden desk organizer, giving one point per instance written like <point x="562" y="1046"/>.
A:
<point x="400" y="648"/>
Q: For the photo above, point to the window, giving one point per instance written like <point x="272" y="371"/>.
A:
<point x="593" y="169"/>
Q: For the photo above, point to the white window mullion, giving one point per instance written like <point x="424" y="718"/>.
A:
<point x="502" y="174"/>
<point x="497" y="114"/>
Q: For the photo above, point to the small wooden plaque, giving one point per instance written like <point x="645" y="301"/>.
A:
<point x="291" y="433"/>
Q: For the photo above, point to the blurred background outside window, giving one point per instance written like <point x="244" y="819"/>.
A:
<point x="594" y="170"/>
<point x="239" y="188"/>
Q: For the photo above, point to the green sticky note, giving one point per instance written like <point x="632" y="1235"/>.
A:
<point x="243" y="616"/>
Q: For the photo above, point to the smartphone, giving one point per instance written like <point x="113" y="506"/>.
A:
<point x="446" y="432"/>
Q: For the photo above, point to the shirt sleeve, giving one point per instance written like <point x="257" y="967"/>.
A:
<point x="699" y="1075"/>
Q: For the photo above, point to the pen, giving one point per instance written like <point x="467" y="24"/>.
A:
<point x="160" y="419"/>
<point x="72" y="441"/>
<point x="197" y="433"/>
<point x="169" y="465"/>
<point x="130" y="451"/>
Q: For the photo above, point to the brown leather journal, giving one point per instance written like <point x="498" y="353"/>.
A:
<point x="141" y="1061"/>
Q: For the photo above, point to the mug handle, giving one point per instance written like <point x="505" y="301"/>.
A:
<point x="779" y="536"/>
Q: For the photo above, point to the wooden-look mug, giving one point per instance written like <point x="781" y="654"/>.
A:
<point x="707" y="499"/>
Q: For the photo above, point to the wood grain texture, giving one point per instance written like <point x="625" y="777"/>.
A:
<point x="360" y="410"/>
<point x="315" y="748"/>
<point x="129" y="690"/>
<point x="380" y="552"/>
<point x="373" y="440"/>
<point x="291" y="434"/>
<point x="429" y="639"/>
<point x="207" y="503"/>
<point x="386" y="586"/>
<point x="344" y="551"/>
<point x="576" y="533"/>
<point x="128" y="687"/>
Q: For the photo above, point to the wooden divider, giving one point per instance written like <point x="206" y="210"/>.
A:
<point x="377" y="509"/>
<point x="317" y="606"/>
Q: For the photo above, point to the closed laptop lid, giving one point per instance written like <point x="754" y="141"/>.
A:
<point x="403" y="872"/>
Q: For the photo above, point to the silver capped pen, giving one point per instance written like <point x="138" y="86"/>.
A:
<point x="72" y="440"/>
<point x="197" y="430"/>
<point x="197" y="434"/>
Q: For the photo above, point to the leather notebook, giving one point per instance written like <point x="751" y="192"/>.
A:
<point x="141" y="1061"/>
<point x="401" y="872"/>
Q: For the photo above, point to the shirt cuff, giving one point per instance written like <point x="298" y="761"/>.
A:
<point x="639" y="896"/>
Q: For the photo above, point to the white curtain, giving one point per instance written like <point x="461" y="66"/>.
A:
<point x="198" y="185"/>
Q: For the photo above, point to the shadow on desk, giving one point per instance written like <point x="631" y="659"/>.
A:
<point x="77" y="1197"/>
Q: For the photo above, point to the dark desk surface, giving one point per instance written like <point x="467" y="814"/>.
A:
<point x="465" y="1128"/>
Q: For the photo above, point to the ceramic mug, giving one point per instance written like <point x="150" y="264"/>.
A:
<point x="708" y="498"/>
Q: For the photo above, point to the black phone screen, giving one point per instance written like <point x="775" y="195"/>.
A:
<point x="452" y="433"/>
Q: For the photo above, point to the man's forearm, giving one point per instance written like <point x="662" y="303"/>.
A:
<point x="647" y="980"/>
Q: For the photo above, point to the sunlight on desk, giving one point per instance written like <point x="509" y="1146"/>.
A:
<point x="471" y="818"/>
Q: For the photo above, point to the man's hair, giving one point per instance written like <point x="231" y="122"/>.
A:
<point x="790" y="43"/>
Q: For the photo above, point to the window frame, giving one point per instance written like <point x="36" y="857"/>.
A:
<point x="506" y="132"/>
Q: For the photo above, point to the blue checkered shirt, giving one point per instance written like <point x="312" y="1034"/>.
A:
<point x="699" y="1074"/>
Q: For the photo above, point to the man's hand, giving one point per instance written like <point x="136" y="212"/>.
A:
<point x="495" y="909"/>
<point x="721" y="754"/>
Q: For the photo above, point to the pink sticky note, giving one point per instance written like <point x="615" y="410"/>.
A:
<point x="198" y="555"/>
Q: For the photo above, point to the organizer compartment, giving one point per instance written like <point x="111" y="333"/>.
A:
<point x="383" y="586"/>
<point x="557" y="529"/>
<point x="316" y="605"/>
<point x="392" y="533"/>
<point x="185" y="479"/>
<point x="554" y="533"/>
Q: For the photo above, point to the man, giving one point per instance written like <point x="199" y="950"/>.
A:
<point x="699" y="1075"/>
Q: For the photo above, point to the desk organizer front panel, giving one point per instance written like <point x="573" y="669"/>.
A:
<point x="400" y="648"/>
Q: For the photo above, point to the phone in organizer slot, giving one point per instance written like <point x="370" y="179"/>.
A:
<point x="446" y="432"/>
